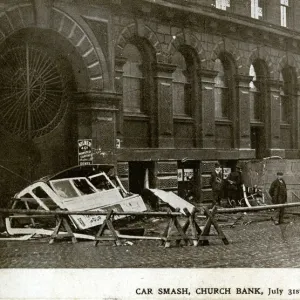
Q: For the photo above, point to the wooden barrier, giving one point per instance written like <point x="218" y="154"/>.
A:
<point x="166" y="238"/>
<point x="191" y="222"/>
<point x="205" y="235"/>
<point x="198" y="237"/>
<point x="62" y="221"/>
<point x="107" y="224"/>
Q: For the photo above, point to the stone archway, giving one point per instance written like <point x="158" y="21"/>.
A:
<point x="62" y="60"/>
<point x="38" y="122"/>
<point x="23" y="16"/>
<point x="190" y="40"/>
<point x="226" y="46"/>
<point x="260" y="53"/>
<point x="36" y="86"/>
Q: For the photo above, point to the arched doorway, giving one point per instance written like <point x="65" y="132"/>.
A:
<point x="37" y="123"/>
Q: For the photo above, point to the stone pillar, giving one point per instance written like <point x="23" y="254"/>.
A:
<point x="243" y="112"/>
<point x="164" y="105"/>
<point x="96" y="120"/>
<point x="119" y="63"/>
<point x="196" y="109"/>
<point x="296" y="119"/>
<point x="207" y="109"/>
<point x="293" y="153"/>
<point x="273" y="120"/>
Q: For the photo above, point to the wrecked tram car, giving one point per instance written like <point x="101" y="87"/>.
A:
<point x="81" y="188"/>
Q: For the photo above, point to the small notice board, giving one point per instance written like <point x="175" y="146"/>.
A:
<point x="226" y="172"/>
<point x="85" y="155"/>
<point x="185" y="174"/>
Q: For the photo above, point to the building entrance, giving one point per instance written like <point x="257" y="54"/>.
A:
<point x="257" y="141"/>
<point x="36" y="87"/>
<point x="141" y="175"/>
<point x="189" y="180"/>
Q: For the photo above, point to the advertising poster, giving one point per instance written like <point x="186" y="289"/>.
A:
<point x="85" y="156"/>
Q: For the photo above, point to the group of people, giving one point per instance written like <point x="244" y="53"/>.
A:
<point x="231" y="188"/>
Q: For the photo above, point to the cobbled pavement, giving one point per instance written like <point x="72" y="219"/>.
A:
<point x="260" y="244"/>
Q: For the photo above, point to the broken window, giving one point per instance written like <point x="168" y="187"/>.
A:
<point x="83" y="186"/>
<point x="44" y="197"/>
<point x="101" y="182"/>
<point x="64" y="188"/>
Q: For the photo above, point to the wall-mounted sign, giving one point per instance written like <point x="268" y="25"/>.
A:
<point x="85" y="155"/>
<point x="185" y="174"/>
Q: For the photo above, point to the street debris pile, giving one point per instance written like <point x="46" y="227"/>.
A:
<point x="86" y="188"/>
<point x="89" y="190"/>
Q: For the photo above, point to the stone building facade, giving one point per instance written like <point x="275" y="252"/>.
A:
<point x="168" y="86"/>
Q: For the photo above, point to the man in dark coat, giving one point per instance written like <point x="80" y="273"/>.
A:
<point x="216" y="182"/>
<point x="278" y="192"/>
<point x="234" y="185"/>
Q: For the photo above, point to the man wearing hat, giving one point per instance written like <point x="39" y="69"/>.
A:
<point x="234" y="185"/>
<point x="278" y="193"/>
<point x="216" y="182"/>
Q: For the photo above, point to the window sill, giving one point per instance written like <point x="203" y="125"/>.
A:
<point x="285" y="125"/>
<point x="183" y="119"/>
<point x="136" y="116"/>
<point x="223" y="121"/>
<point x="256" y="123"/>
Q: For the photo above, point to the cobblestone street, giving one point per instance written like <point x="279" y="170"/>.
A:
<point x="260" y="244"/>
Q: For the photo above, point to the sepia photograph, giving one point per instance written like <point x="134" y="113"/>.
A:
<point x="156" y="141"/>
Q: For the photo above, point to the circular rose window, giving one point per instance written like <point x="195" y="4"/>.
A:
<point x="33" y="91"/>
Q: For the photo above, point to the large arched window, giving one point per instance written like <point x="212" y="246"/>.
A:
<point x="133" y="79"/>
<point x="258" y="95"/>
<point x="185" y="96"/>
<point x="221" y="90"/>
<point x="255" y="96"/>
<point x="225" y="100"/>
<point x="138" y="95"/>
<point x="181" y="86"/>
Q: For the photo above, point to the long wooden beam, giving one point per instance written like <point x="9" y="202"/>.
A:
<point x="257" y="208"/>
<point x="130" y="213"/>
<point x="86" y="212"/>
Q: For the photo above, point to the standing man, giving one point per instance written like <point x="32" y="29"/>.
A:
<point x="278" y="192"/>
<point x="235" y="186"/>
<point x="216" y="182"/>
